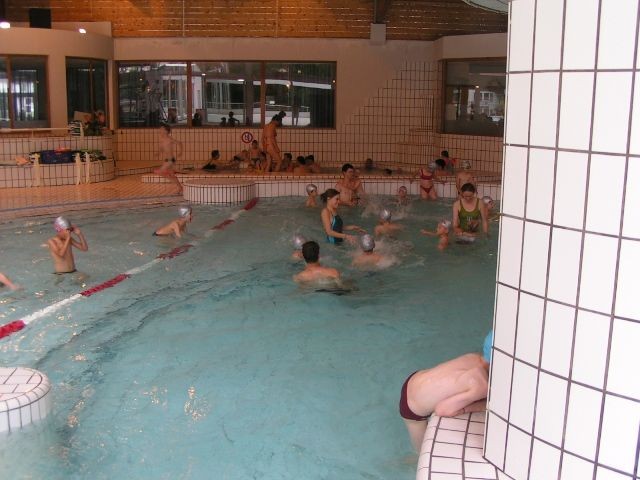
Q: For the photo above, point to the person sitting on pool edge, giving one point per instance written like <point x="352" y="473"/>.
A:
<point x="313" y="271"/>
<point x="448" y="389"/>
<point x="61" y="245"/>
<point x="178" y="226"/>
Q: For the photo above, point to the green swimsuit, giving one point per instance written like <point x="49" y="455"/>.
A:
<point x="469" y="220"/>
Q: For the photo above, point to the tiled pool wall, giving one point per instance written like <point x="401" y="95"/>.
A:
<point x="25" y="398"/>
<point x="289" y="185"/>
<point x="564" y="400"/>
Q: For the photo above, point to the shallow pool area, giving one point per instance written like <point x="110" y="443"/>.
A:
<point x="215" y="364"/>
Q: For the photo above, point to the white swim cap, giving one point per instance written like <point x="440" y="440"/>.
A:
<point x="432" y="167"/>
<point x="61" y="224"/>
<point x="487" y="199"/>
<point x="311" y="188"/>
<point x="367" y="243"/>
<point x="298" y="241"/>
<point x="385" y="215"/>
<point x="466" y="164"/>
<point x="184" y="211"/>
<point x="445" y="223"/>
<point x="402" y="189"/>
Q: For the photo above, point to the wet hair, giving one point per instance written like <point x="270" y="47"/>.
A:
<point x="440" y="163"/>
<point x="166" y="127"/>
<point x="311" y="251"/>
<point x="444" y="153"/>
<point x="309" y="159"/>
<point x="215" y="153"/>
<point x="346" y="167"/>
<point x="300" y="159"/>
<point x="368" y="163"/>
<point x="468" y="187"/>
<point x="277" y="118"/>
<point x="329" y="193"/>
<point x="254" y="141"/>
<point x="288" y="155"/>
<point x="231" y="114"/>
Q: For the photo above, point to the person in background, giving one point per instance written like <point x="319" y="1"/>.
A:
<point x="331" y="221"/>
<point x="427" y="177"/>
<point x="450" y="163"/>
<point x="385" y="226"/>
<point x="233" y="121"/>
<point x="403" y="196"/>
<point x="61" y="245"/>
<point x="367" y="258"/>
<point x="301" y="167"/>
<point x="223" y="122"/>
<point x="368" y="165"/>
<point x="442" y="232"/>
<point x="287" y="162"/>
<point x="197" y="120"/>
<point x="270" y="144"/>
<point x="349" y="186"/>
<point x="310" y="163"/>
<point x="169" y="149"/>
<point x="214" y="161"/>
<point x="298" y="242"/>
<point x="313" y="271"/>
<point x="177" y="227"/>
<point x="462" y="177"/>
<point x="6" y="282"/>
<point x="312" y="195"/>
<point x="469" y="213"/>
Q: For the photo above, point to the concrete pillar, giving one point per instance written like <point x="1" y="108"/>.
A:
<point x="564" y="401"/>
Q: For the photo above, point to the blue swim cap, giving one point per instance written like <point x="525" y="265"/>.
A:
<point x="486" y="346"/>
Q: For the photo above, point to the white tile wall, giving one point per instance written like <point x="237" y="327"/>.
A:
<point x="24" y="397"/>
<point x="575" y="395"/>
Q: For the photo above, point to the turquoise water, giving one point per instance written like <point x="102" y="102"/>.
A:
<point x="215" y="364"/>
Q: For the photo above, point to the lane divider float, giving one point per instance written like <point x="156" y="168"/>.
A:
<point x="17" y="325"/>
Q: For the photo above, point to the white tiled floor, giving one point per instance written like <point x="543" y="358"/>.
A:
<point x="452" y="450"/>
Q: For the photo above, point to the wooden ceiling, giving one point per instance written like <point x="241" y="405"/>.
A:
<point x="405" y="19"/>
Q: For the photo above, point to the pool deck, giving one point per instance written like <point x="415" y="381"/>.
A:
<point x="127" y="191"/>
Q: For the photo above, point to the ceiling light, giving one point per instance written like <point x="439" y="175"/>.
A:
<point x="82" y="30"/>
<point x="4" y="24"/>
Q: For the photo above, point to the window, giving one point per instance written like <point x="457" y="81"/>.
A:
<point x="23" y="92"/>
<point x="474" y="97"/>
<point x="86" y="86"/>
<point x="304" y="91"/>
<point x="226" y="93"/>
<point x="152" y="93"/>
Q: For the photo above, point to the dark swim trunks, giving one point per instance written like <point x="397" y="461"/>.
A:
<point x="405" y="411"/>
<point x="64" y="273"/>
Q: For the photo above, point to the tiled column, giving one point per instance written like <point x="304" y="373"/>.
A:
<point x="565" y="382"/>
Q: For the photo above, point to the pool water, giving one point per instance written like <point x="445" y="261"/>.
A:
<point x="215" y="364"/>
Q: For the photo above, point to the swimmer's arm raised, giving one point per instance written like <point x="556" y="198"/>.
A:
<point x="81" y="242"/>
<point x="57" y="247"/>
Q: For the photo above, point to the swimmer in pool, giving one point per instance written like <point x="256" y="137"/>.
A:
<point x="312" y="194"/>
<point x="350" y="186"/>
<point x="61" y="246"/>
<point x="313" y="271"/>
<point x="298" y="242"/>
<point x="6" y="282"/>
<point x="168" y="150"/>
<point x="403" y="197"/>
<point x="469" y="213"/>
<point x="442" y="232"/>
<point x="427" y="177"/>
<point x="331" y="221"/>
<point x="490" y="205"/>
<point x="385" y="227"/>
<point x="177" y="227"/>
<point x="449" y="389"/>
<point x="368" y="258"/>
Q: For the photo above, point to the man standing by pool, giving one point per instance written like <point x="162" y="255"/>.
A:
<point x="61" y="246"/>
<point x="270" y="144"/>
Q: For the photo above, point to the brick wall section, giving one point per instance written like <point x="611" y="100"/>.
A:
<point x="405" y="19"/>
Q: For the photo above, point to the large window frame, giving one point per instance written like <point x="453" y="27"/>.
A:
<point x="91" y="103"/>
<point x="20" y="107"/>
<point x="252" y="89"/>
<point x="474" y="105"/>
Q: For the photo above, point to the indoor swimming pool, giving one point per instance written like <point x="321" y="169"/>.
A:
<point x="215" y="364"/>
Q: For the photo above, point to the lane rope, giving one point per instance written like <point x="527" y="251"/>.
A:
<point x="17" y="325"/>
